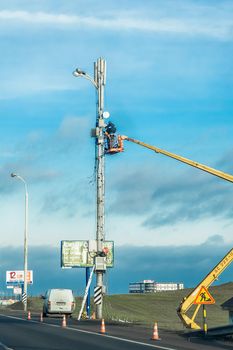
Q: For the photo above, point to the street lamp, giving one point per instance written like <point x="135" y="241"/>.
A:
<point x="80" y="73"/>
<point x="24" y="295"/>
<point x="99" y="82"/>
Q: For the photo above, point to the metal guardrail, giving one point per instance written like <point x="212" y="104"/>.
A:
<point x="218" y="331"/>
<point x="213" y="332"/>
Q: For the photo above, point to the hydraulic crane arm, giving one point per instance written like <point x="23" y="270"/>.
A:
<point x="188" y="301"/>
<point x="192" y="163"/>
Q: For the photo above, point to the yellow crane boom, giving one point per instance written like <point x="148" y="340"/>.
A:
<point x="188" y="301"/>
<point x="192" y="163"/>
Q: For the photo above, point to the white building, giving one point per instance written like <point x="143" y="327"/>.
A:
<point x="150" y="286"/>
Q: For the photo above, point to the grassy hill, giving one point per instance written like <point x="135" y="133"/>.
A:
<point x="161" y="307"/>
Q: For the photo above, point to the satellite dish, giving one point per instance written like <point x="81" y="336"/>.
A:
<point x="106" y="115"/>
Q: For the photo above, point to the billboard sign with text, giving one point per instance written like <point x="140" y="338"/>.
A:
<point x="77" y="254"/>
<point x="17" y="277"/>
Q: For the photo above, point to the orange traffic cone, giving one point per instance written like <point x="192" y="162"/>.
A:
<point x="41" y="317"/>
<point x="63" y="321"/>
<point x="102" y="328"/>
<point x="29" y="315"/>
<point x="155" y="335"/>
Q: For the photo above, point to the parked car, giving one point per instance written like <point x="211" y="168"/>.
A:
<point x="58" y="301"/>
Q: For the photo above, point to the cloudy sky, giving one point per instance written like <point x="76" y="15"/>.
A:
<point x="169" y="83"/>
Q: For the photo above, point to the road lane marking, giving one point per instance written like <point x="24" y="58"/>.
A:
<point x="5" y="347"/>
<point x="94" y="333"/>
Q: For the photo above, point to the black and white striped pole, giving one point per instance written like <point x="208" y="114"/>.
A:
<point x="98" y="295"/>
<point x="24" y="298"/>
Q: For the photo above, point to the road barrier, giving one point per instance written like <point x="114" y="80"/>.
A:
<point x="29" y="315"/>
<point x="102" y="328"/>
<point x="63" y="321"/>
<point x="155" y="335"/>
<point x="41" y="317"/>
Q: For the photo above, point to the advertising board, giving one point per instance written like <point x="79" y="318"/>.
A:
<point x="17" y="290"/>
<point x="17" y="277"/>
<point x="77" y="254"/>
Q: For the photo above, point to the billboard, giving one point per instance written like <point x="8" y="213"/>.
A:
<point x="77" y="254"/>
<point x="17" y="277"/>
<point x="17" y="290"/>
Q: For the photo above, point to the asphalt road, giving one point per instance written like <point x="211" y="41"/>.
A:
<point x="18" y="333"/>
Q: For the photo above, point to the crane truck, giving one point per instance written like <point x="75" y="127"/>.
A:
<point x="189" y="301"/>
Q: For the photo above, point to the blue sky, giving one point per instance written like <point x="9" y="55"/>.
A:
<point x="169" y="83"/>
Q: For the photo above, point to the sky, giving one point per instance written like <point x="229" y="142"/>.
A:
<point x="169" y="84"/>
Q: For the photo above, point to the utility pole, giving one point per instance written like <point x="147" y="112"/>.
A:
<point x="100" y="79"/>
<point x="99" y="83"/>
<point x="25" y="283"/>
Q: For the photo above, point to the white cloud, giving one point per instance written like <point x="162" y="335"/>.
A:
<point x="201" y="21"/>
<point x="31" y="85"/>
<point x="37" y="17"/>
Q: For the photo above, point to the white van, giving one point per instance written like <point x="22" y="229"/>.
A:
<point x="58" y="301"/>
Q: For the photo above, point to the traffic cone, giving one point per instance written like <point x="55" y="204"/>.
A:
<point x="102" y="328"/>
<point x="63" y="321"/>
<point x="155" y="335"/>
<point x="29" y="315"/>
<point x="41" y="317"/>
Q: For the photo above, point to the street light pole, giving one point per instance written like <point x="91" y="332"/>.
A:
<point x="100" y="75"/>
<point x="24" y="295"/>
<point x="99" y="82"/>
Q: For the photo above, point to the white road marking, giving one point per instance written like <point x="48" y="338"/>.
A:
<point x="90" y="332"/>
<point x="5" y="347"/>
<point x="123" y="339"/>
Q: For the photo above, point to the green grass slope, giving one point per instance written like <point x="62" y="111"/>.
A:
<point x="146" y="309"/>
<point x="161" y="307"/>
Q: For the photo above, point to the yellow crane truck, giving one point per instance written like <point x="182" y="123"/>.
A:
<point x="188" y="301"/>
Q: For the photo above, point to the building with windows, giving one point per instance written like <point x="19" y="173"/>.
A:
<point x="150" y="286"/>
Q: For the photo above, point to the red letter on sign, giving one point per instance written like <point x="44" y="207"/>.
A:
<point x="12" y="274"/>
